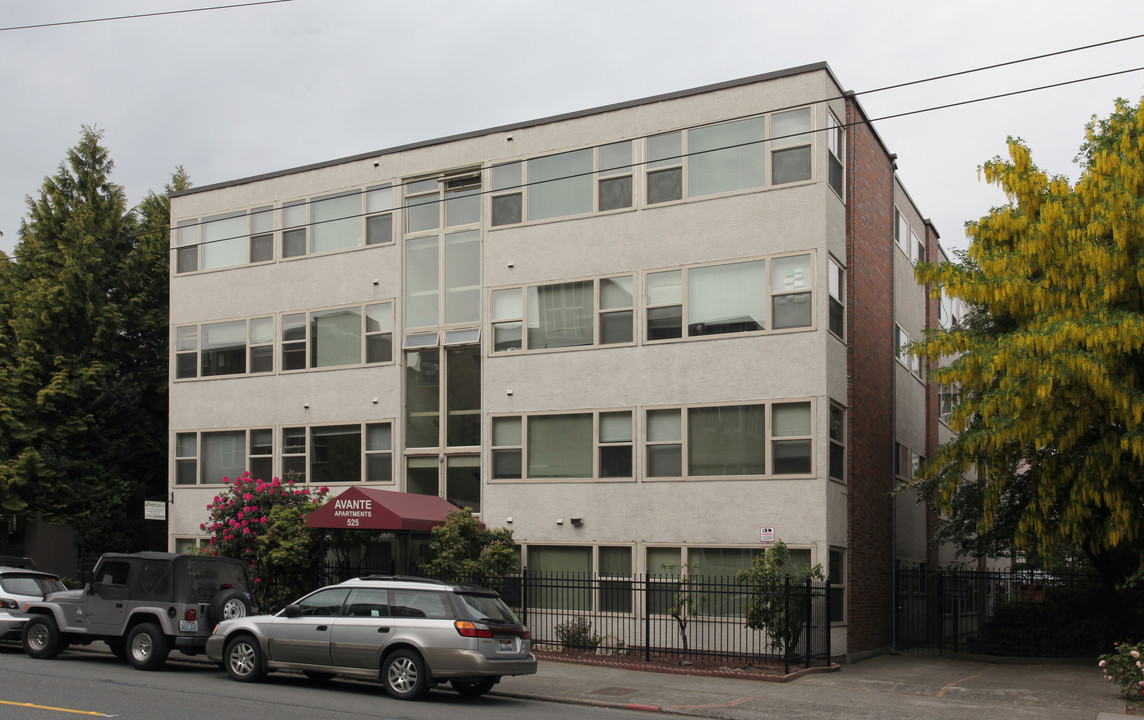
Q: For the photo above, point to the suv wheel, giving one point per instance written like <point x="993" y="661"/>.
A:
<point x="41" y="637"/>
<point x="404" y="675"/>
<point x="229" y="604"/>
<point x="147" y="647"/>
<point x="474" y="688"/>
<point x="243" y="659"/>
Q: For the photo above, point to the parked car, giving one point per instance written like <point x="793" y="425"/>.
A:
<point x="142" y="605"/>
<point x="18" y="588"/>
<point x="411" y="633"/>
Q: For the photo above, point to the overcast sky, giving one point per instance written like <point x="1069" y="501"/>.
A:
<point x="237" y="92"/>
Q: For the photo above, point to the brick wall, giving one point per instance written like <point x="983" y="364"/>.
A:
<point x="870" y="323"/>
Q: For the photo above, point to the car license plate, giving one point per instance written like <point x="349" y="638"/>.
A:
<point x="188" y="626"/>
<point x="506" y="646"/>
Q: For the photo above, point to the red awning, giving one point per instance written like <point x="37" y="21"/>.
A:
<point x="371" y="509"/>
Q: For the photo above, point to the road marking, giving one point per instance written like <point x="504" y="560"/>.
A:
<point x="63" y="710"/>
<point x="945" y="689"/>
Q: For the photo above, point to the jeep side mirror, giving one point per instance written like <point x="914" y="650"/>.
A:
<point x="292" y="611"/>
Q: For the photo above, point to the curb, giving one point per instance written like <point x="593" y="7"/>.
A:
<point x="683" y="670"/>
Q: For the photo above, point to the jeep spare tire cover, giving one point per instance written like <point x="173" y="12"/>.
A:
<point x="229" y="604"/>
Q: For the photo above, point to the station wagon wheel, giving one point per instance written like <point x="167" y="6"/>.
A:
<point x="147" y="647"/>
<point x="41" y="638"/>
<point x="474" y="688"/>
<point x="243" y="659"/>
<point x="404" y="675"/>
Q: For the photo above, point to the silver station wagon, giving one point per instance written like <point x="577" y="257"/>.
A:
<point x="411" y="633"/>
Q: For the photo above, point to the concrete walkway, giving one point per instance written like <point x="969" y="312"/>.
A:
<point x="888" y="687"/>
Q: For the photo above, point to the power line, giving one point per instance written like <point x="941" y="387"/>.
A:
<point x="778" y="109"/>
<point x="142" y="15"/>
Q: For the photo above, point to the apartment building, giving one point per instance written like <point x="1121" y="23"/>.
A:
<point x="656" y="334"/>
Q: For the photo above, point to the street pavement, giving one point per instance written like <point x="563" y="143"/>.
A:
<point x="887" y="687"/>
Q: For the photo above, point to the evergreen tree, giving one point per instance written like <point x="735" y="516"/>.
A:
<point x="1050" y="365"/>
<point x="83" y="356"/>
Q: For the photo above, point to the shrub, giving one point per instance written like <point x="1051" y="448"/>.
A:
<point x="1124" y="667"/>
<point x="576" y="634"/>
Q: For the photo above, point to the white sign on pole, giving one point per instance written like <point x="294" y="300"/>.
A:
<point x="154" y="510"/>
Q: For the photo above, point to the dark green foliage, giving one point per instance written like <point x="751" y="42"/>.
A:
<point x="83" y="338"/>
<point x="463" y="550"/>
<point x="770" y="607"/>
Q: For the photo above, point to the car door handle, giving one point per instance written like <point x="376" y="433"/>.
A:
<point x="321" y="628"/>
<point x="118" y="605"/>
<point x="383" y="629"/>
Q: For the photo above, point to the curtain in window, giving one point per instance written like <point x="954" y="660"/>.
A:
<point x="223" y="455"/>
<point x="336" y="222"/>
<point x="560" y="446"/>
<point x="560" y="185"/>
<point x="726" y="440"/>
<point x="560" y="315"/>
<point x="225" y="240"/>
<point x="336" y="337"/>
<point x="726" y="298"/>
<point x="726" y="157"/>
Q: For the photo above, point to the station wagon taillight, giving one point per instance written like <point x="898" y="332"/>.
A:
<point x="468" y="629"/>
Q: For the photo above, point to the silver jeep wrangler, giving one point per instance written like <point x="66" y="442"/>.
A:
<point x="142" y="605"/>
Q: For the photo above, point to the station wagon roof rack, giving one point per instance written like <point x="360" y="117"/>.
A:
<point x="404" y="578"/>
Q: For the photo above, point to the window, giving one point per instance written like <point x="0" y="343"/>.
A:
<point x="836" y="147"/>
<point x="790" y="146"/>
<point x="206" y="458"/>
<point x="260" y="461"/>
<point x="902" y="465"/>
<point x="664" y="168"/>
<point x="559" y="315"/>
<point x="338" y="337"/>
<point x="564" y="561"/>
<point x="328" y="454"/>
<point x="917" y="249"/>
<point x="295" y="221"/>
<point x="901" y="344"/>
<point x="902" y="231"/>
<point x="836" y="286"/>
<point x="726" y="157"/>
<point x="791" y="447"/>
<point x="460" y="268"/>
<point x="790" y="285"/>
<point x="837" y="580"/>
<point x="729" y="440"/>
<point x="837" y="442"/>
<point x="187" y="242"/>
<point x="947" y="396"/>
<point x="225" y="240"/>
<point x="233" y="347"/>
<point x="457" y="395"/>
<point x="379" y="215"/>
<point x="563" y="446"/>
<point x="564" y="184"/>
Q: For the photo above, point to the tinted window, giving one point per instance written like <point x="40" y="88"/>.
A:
<point x="489" y="607"/>
<point x="323" y="603"/>
<point x="419" y="604"/>
<point x="30" y="584"/>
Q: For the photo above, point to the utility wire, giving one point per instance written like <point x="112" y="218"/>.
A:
<point x="779" y="109"/>
<point x="142" y="15"/>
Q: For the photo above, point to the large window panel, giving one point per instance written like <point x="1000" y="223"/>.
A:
<point x="224" y="348"/>
<point x="463" y="277"/>
<point x="421" y="276"/>
<point x="726" y="298"/>
<point x="335" y="337"/>
<point x="557" y="560"/>
<point x="560" y="185"/>
<point x="223" y="456"/>
<point x="463" y="396"/>
<point x="422" y="476"/>
<point x="561" y="315"/>
<point x="560" y="446"/>
<point x="335" y="454"/>
<point x="225" y="240"/>
<point x="336" y="222"/>
<point x="463" y="481"/>
<point x="726" y="157"/>
<point x="727" y="440"/>
<point x="422" y="398"/>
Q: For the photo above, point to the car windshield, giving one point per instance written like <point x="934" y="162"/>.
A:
<point x="489" y="608"/>
<point x="38" y="585"/>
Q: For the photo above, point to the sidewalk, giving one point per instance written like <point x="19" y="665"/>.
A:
<point x="890" y="687"/>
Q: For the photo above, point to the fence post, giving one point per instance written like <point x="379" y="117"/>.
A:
<point x="809" y="623"/>
<point x="647" y="618"/>
<point x="524" y="595"/>
<point x="785" y="630"/>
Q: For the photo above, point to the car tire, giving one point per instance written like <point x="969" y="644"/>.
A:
<point x="404" y="675"/>
<point x="474" y="688"/>
<point x="230" y="604"/>
<point x="147" y="647"/>
<point x="41" y="638"/>
<point x="243" y="659"/>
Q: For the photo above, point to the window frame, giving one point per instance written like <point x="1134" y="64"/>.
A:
<point x="308" y="451"/>
<point x="498" y="296"/>
<point x="180" y="458"/>
<point x="305" y="344"/>
<point x="183" y="353"/>
<point x="835" y="298"/>
<point x="595" y="452"/>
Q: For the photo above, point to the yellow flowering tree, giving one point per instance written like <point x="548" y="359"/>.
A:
<point x="1050" y="362"/>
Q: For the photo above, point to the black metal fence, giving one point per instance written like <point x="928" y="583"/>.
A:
<point x="1014" y="613"/>
<point x="655" y="618"/>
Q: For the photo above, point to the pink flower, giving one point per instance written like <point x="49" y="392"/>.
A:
<point x="257" y="580"/>
<point x="275" y="482"/>
<point x="241" y="515"/>
<point x="246" y="531"/>
<point x="1135" y="653"/>
<point x="1102" y="663"/>
<point x="263" y="520"/>
<point x="246" y="496"/>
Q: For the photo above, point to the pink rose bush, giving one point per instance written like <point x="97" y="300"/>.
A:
<point x="264" y="523"/>
<point x="1124" y="667"/>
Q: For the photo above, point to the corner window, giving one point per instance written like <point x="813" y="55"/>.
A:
<point x="836" y="287"/>
<point x="837" y="442"/>
<point x="835" y="147"/>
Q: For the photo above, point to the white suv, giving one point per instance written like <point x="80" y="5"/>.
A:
<point x="411" y="633"/>
<point x="18" y="587"/>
